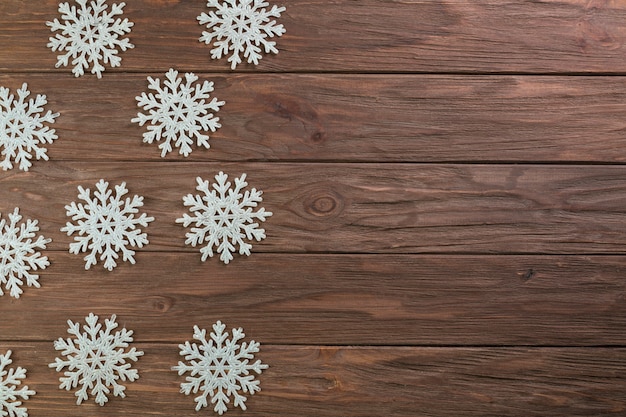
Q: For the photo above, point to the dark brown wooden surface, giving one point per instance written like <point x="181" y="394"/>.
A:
<point x="448" y="184"/>
<point x="363" y="208"/>
<point x="455" y="300"/>
<point x="571" y="36"/>
<point x="354" y="118"/>
<point x="340" y="381"/>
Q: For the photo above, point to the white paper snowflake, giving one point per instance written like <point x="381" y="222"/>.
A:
<point x="19" y="255"/>
<point x="241" y="26"/>
<point x="97" y="359"/>
<point x="10" y="379"/>
<point x="219" y="368"/>
<point x="223" y="217"/>
<point x="178" y="112"/>
<point x="106" y="224"/>
<point x="22" y="128"/>
<point x="90" y="35"/>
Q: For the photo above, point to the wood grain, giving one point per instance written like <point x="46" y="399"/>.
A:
<point x="341" y="381"/>
<point x="338" y="300"/>
<point x="364" y="36"/>
<point x="363" y="208"/>
<point x="386" y="118"/>
<point x="447" y="179"/>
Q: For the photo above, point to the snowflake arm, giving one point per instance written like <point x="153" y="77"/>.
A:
<point x="223" y="217"/>
<point x="219" y="368"/>
<point x="178" y="112"/>
<point x="241" y="27"/>
<point x="23" y="129"/>
<point x="10" y="395"/>
<point x="90" y="35"/>
<point x="96" y="359"/>
<point x="106" y="225"/>
<point x="19" y="254"/>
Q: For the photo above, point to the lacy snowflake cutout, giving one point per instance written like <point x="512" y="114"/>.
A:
<point x="223" y="217"/>
<point x="22" y="128"/>
<point x="97" y="359"/>
<point x="241" y="26"/>
<point x="178" y="112"/>
<point x="90" y="35"/>
<point x="19" y="255"/>
<point x="219" y="368"/>
<point x="106" y="224"/>
<point x="10" y="379"/>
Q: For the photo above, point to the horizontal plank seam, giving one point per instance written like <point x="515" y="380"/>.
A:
<point x="365" y="346"/>
<point x="344" y="72"/>
<point x="354" y="162"/>
<point x="537" y="164"/>
<point x="386" y="253"/>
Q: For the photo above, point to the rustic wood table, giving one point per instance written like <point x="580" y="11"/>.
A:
<point x="448" y="183"/>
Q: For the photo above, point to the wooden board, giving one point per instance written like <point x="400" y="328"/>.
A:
<point x="363" y="208"/>
<point x="396" y="381"/>
<point x="339" y="299"/>
<point x="448" y="184"/>
<point x="387" y="118"/>
<point x="571" y="36"/>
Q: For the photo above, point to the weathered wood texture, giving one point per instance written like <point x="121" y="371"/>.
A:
<point x="449" y="199"/>
<point x="363" y="208"/>
<point x="397" y="381"/>
<point x="367" y="35"/>
<point x="339" y="300"/>
<point x="352" y="118"/>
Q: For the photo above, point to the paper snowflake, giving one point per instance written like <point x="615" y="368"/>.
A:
<point x="22" y="128"/>
<point x="223" y="217"/>
<point x="178" y="112"/>
<point x="19" y="255"/>
<point x="106" y="224"/>
<point x="219" y="368"/>
<point x="90" y="35"/>
<point x="241" y="26"/>
<point x="96" y="359"/>
<point x="10" y="379"/>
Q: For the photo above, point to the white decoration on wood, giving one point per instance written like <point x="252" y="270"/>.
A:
<point x="241" y="27"/>
<point x="97" y="359"/>
<point x="219" y="368"/>
<point x="223" y="217"/>
<point x="10" y="395"/>
<point x="106" y="225"/>
<point x="22" y="129"/>
<point x="19" y="255"/>
<point x="178" y="112"/>
<point x="90" y="35"/>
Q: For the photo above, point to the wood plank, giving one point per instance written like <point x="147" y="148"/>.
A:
<point x="346" y="208"/>
<point x="365" y="36"/>
<point x="348" y="381"/>
<point x="338" y="300"/>
<point x="328" y="117"/>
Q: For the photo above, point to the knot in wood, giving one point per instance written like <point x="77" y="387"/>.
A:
<point x="323" y="203"/>
<point x="318" y="137"/>
<point x="162" y="304"/>
<point x="528" y="275"/>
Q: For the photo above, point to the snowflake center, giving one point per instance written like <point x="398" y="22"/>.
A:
<point x="223" y="218"/>
<point x="219" y="366"/>
<point x="181" y="113"/>
<point x="16" y="125"/>
<point x="86" y="28"/>
<point x="242" y="22"/>
<point x="226" y="217"/>
<point x="10" y="250"/>
<point x="6" y="253"/>
<point x="94" y="356"/>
